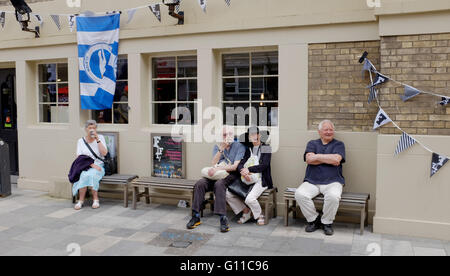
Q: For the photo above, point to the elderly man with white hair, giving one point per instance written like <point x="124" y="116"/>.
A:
<point x="230" y="152"/>
<point x="324" y="157"/>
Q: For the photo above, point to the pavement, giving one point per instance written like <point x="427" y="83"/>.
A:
<point x="34" y="224"/>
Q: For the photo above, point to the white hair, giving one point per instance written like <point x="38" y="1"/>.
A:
<point x="90" y="123"/>
<point x="324" y="122"/>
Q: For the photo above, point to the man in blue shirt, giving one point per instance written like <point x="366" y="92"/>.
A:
<point x="231" y="152"/>
<point x="324" y="157"/>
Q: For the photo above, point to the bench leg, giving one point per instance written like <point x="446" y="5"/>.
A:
<point x="147" y="195"/>
<point x="286" y="217"/>
<point x="125" y="196"/>
<point x="135" y="197"/>
<point x="267" y="210"/>
<point x="366" y="222"/>
<point x="275" y="211"/>
<point x="363" y="219"/>
<point x="294" y="209"/>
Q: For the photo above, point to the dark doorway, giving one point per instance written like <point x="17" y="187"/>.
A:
<point x="8" y="116"/>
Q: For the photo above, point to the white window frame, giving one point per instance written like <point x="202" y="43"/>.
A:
<point x="176" y="102"/>
<point x="250" y="101"/>
<point x="39" y="83"/>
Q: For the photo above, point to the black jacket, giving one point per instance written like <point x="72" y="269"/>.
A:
<point x="263" y="167"/>
<point x="82" y="163"/>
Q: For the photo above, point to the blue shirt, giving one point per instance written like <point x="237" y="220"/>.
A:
<point x="234" y="153"/>
<point x="324" y="174"/>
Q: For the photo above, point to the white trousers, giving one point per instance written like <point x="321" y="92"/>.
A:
<point x="332" y="195"/>
<point x="238" y="205"/>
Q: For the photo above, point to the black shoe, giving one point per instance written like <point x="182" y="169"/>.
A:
<point x="313" y="226"/>
<point x="193" y="223"/>
<point x="328" y="229"/>
<point x="224" y="227"/>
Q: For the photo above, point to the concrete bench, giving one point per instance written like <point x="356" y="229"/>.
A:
<point x="268" y="201"/>
<point x="360" y="201"/>
<point x="161" y="187"/>
<point x="117" y="180"/>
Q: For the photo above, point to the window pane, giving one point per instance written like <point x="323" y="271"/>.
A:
<point x="266" y="114"/>
<point x="265" y="89"/>
<point x="265" y="63"/>
<point x="122" y="68"/>
<point x="102" y="116"/>
<point x="187" y="90"/>
<point x="121" y="113"/>
<point x="63" y="93"/>
<point x="47" y="72"/>
<point x="45" y="112"/>
<point x="187" y="114"/>
<point x="62" y="72"/>
<point x="63" y="113"/>
<point x="121" y="94"/>
<point x="236" y="64"/>
<point x="164" y="67"/>
<point x="47" y="93"/>
<point x="162" y="113"/>
<point x="164" y="90"/>
<point x="236" y="114"/>
<point x="236" y="89"/>
<point x="187" y="67"/>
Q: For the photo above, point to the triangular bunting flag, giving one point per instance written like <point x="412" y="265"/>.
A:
<point x="178" y="7"/>
<point x="202" y="4"/>
<point x="367" y="66"/>
<point x="405" y="142"/>
<point x="381" y="119"/>
<point x="379" y="79"/>
<point x="131" y="14"/>
<point x="437" y="162"/>
<point x="410" y="92"/>
<point x="39" y="19"/>
<point x="228" y="2"/>
<point x="156" y="10"/>
<point x="445" y="101"/>
<point x="71" y="20"/>
<point x="55" y="19"/>
<point x="2" y="19"/>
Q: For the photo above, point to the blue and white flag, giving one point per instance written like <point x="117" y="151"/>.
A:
<point x="98" y="49"/>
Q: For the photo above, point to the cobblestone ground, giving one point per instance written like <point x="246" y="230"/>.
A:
<point x="32" y="223"/>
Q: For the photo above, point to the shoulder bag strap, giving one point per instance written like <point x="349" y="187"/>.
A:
<point x="90" y="149"/>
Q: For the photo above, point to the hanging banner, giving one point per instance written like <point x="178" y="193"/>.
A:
<point x="381" y="119"/>
<point x="410" y="92"/>
<point x="56" y="20"/>
<point x="98" y="49"/>
<point x="405" y="143"/>
<point x="156" y="10"/>
<point x="202" y="4"/>
<point x="437" y="162"/>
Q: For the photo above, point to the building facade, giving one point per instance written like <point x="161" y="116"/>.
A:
<point x="297" y="58"/>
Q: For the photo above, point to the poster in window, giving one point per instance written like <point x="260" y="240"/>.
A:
<point x="167" y="156"/>
<point x="112" y="141"/>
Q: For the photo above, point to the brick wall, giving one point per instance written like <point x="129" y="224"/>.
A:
<point x="337" y="90"/>
<point x="336" y="87"/>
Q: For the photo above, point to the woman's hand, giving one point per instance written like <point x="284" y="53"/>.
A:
<point x="96" y="167"/>
<point x="245" y="172"/>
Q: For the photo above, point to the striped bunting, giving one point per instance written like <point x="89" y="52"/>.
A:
<point x="156" y="10"/>
<point x="177" y="7"/>
<point x="405" y="142"/>
<point x="228" y="2"/>
<point x="372" y="94"/>
<point x="56" y="20"/>
<point x="2" y="19"/>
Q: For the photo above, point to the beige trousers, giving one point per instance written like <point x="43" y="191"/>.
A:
<point x="238" y="205"/>
<point x="332" y="195"/>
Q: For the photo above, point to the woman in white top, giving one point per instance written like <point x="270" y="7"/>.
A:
<point x="90" y="178"/>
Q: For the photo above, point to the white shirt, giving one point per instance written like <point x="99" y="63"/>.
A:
<point x="82" y="149"/>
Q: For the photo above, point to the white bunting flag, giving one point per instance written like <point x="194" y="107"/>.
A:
<point x="156" y="10"/>
<point x="71" y="20"/>
<point x="202" y="4"/>
<point x="410" y="92"/>
<point x="437" y="162"/>
<point x="2" y="19"/>
<point x="39" y="19"/>
<point x="131" y="14"/>
<point x="381" y="119"/>
<point x="56" y="20"/>
<point x="405" y="143"/>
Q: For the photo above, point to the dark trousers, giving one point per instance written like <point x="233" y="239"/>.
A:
<point x="219" y="188"/>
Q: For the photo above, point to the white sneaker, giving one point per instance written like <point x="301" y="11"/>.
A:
<point x="79" y="205"/>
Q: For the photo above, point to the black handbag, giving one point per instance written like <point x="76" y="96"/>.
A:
<point x="108" y="162"/>
<point x="239" y="188"/>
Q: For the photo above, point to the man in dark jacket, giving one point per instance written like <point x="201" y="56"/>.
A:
<point x="263" y="153"/>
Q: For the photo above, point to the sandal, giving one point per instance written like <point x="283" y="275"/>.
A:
<point x="245" y="218"/>
<point x="96" y="204"/>
<point x="261" y="221"/>
<point x="79" y="205"/>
